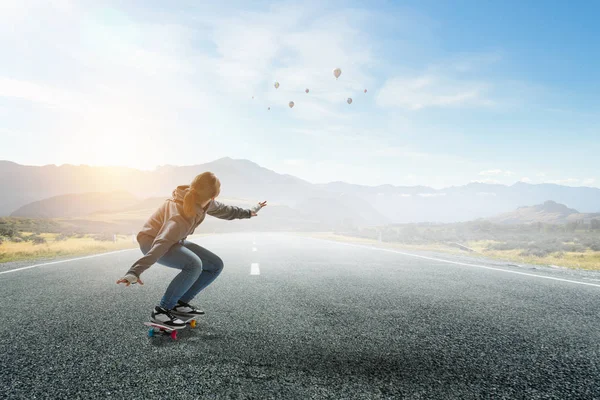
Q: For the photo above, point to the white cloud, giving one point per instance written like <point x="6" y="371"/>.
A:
<point x="588" y="181"/>
<point x="424" y="91"/>
<point x="525" y="179"/>
<point x="496" y="172"/>
<point x="14" y="14"/>
<point x="468" y="62"/>
<point x="486" y="194"/>
<point x="567" y="181"/>
<point x="431" y="194"/>
<point x="488" y="181"/>
<point x="37" y="93"/>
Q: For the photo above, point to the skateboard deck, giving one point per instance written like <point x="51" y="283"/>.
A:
<point x="156" y="327"/>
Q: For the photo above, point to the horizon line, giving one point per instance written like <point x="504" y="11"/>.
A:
<point x="284" y="174"/>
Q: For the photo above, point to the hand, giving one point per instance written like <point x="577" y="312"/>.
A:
<point x="262" y="204"/>
<point x="130" y="279"/>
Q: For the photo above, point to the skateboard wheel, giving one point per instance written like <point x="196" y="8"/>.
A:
<point x="193" y="324"/>
<point x="174" y="335"/>
<point x="150" y="332"/>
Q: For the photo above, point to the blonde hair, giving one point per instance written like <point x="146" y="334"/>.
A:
<point x="204" y="187"/>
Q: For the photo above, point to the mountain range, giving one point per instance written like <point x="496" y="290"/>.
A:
<point x="51" y="191"/>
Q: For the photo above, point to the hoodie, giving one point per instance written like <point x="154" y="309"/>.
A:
<point x="169" y="225"/>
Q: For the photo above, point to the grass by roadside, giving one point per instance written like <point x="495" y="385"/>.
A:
<point x="590" y="260"/>
<point x="53" y="248"/>
<point x="56" y="246"/>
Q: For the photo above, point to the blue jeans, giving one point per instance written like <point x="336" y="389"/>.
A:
<point x="199" y="267"/>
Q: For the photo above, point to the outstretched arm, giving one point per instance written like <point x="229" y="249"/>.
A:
<point x="224" y="211"/>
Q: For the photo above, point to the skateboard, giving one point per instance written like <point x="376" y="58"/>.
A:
<point x="156" y="327"/>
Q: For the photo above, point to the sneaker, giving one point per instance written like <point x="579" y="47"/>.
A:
<point x="164" y="317"/>
<point x="183" y="308"/>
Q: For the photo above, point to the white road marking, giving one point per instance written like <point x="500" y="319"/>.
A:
<point x="457" y="262"/>
<point x="254" y="249"/>
<point x="63" y="261"/>
<point x="254" y="269"/>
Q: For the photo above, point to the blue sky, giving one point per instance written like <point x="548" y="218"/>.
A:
<point x="458" y="91"/>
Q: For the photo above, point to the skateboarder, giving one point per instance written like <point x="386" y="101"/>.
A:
<point x="163" y="240"/>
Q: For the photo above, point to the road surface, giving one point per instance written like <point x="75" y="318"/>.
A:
<point x="294" y="317"/>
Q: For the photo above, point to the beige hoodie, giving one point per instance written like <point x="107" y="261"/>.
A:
<point x="168" y="225"/>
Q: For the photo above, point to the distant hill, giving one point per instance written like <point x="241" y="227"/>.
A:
<point x="243" y="179"/>
<point x="549" y="212"/>
<point x="148" y="206"/>
<point x="75" y="205"/>
<point x="342" y="210"/>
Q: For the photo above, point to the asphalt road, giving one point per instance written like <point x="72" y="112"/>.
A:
<point x="320" y="320"/>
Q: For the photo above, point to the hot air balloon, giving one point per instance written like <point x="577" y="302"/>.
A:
<point x="349" y="100"/>
<point x="365" y="90"/>
<point x="337" y="72"/>
<point x="269" y="108"/>
<point x="306" y="90"/>
<point x="253" y="97"/>
<point x="291" y="104"/>
<point x="276" y="85"/>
